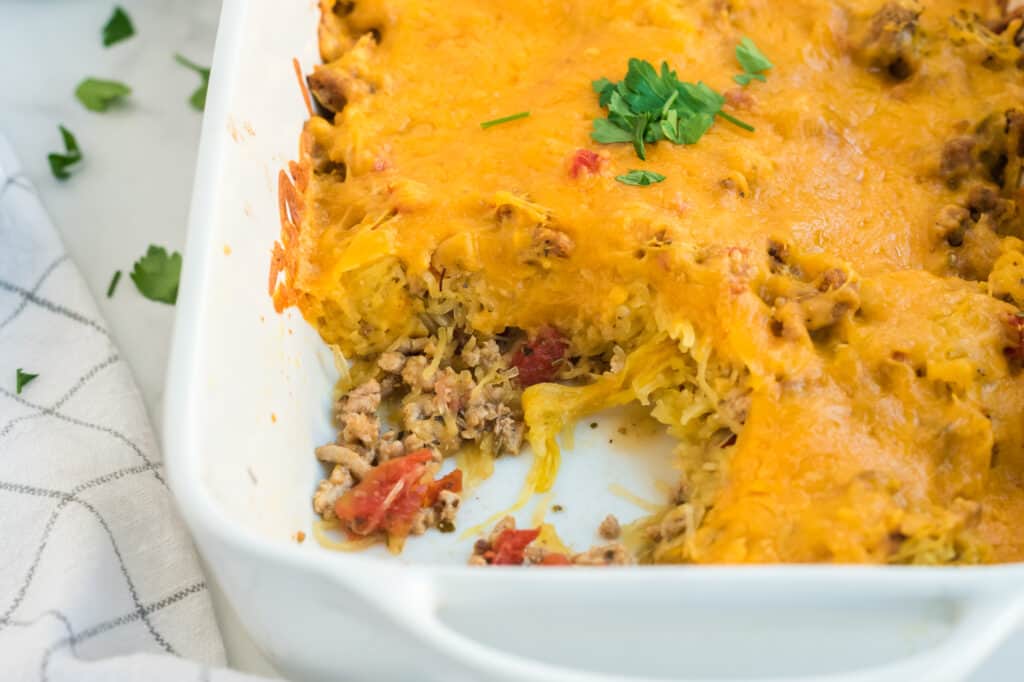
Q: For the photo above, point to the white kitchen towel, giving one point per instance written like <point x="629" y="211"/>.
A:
<point x="98" y="577"/>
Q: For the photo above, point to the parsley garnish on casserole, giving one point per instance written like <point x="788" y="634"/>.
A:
<point x="820" y="300"/>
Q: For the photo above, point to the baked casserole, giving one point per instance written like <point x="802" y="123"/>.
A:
<point x="792" y="232"/>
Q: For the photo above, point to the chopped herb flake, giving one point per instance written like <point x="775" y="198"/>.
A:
<point x="59" y="163"/>
<point x="752" y="60"/>
<point x="640" y="178"/>
<point x="23" y="379"/>
<point x="506" y="119"/>
<point x="198" y="98"/>
<point x="156" y="275"/>
<point x="648" y="106"/>
<point x="97" y="95"/>
<point x="736" y="122"/>
<point x="745" y="78"/>
<point x="113" y="284"/>
<point x="118" y="27"/>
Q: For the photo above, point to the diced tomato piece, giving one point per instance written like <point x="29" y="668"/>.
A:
<point x="452" y="481"/>
<point x="1014" y="349"/>
<point x="388" y="498"/>
<point x="511" y="544"/>
<point x="584" y="160"/>
<point x="537" y="359"/>
<point x="555" y="559"/>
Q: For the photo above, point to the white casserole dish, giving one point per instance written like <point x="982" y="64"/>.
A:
<point x="247" y="401"/>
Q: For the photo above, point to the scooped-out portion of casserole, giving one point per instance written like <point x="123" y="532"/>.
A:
<point x="793" y="232"/>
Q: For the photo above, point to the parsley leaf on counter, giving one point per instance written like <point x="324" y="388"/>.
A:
<point x="97" y="95"/>
<point x="59" y="163"/>
<point x="156" y="275"/>
<point x="113" y="284"/>
<point x="22" y="379"/>
<point x="118" y="27"/>
<point x="505" y="119"/>
<point x="198" y="98"/>
<point x="752" y="60"/>
<point x="640" y="178"/>
<point x="648" y="106"/>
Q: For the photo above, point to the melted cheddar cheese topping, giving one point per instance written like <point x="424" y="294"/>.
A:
<point x="823" y="310"/>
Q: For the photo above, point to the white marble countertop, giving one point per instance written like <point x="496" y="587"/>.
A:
<point x="109" y="212"/>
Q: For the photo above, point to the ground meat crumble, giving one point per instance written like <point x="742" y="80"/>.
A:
<point x="889" y="46"/>
<point x="609" y="528"/>
<point x="985" y="165"/>
<point x="441" y="393"/>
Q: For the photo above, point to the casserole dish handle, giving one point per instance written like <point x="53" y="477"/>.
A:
<point x="974" y="624"/>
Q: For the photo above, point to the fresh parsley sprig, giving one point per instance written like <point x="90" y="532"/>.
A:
<point x="752" y="60"/>
<point x="156" y="275"/>
<point x="96" y="94"/>
<point x="198" y="98"/>
<point x="647" y="107"/>
<point x="119" y="27"/>
<point x="22" y="379"/>
<point x="59" y="163"/>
